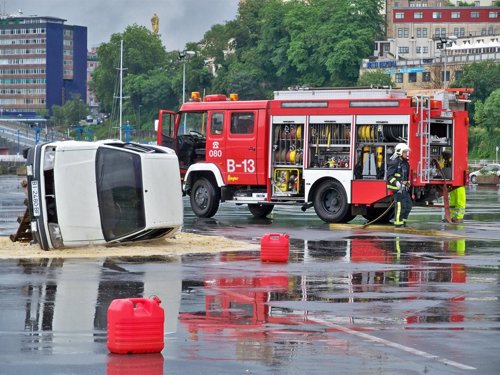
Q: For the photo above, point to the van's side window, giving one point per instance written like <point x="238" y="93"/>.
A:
<point x="217" y="123"/>
<point x="242" y="123"/>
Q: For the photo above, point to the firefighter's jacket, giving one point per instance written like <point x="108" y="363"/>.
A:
<point x="398" y="170"/>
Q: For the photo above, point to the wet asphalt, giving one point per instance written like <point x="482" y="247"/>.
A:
<point x="349" y="300"/>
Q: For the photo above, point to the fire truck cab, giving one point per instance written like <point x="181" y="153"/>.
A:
<point x="320" y="148"/>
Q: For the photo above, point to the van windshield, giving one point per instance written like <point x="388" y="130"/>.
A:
<point x="119" y="192"/>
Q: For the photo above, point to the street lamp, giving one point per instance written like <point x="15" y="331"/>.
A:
<point x="184" y="56"/>
<point x="443" y="44"/>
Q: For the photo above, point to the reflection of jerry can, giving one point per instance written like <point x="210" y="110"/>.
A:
<point x="144" y="364"/>
<point x="274" y="247"/>
<point x="135" y="325"/>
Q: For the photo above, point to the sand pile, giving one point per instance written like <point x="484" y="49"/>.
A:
<point x="182" y="243"/>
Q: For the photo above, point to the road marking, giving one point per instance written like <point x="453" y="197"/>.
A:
<point x="391" y="344"/>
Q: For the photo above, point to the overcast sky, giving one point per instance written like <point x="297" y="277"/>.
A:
<point x="181" y="21"/>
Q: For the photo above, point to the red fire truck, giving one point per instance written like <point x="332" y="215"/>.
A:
<point x="321" y="148"/>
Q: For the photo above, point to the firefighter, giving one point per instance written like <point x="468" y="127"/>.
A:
<point x="398" y="176"/>
<point x="457" y="204"/>
<point x="457" y="196"/>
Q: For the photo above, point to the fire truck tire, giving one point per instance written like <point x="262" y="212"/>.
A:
<point x="260" y="211"/>
<point x="373" y="213"/>
<point x="204" y="198"/>
<point x="330" y="202"/>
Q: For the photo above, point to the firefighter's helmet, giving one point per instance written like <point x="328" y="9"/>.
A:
<point x="399" y="149"/>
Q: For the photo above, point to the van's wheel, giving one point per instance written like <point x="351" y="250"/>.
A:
<point x="473" y="179"/>
<point x="330" y="202"/>
<point x="260" y="211"/>
<point x="204" y="198"/>
<point x="374" y="212"/>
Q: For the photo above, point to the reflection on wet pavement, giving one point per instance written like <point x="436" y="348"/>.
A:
<point x="233" y="308"/>
<point x="348" y="301"/>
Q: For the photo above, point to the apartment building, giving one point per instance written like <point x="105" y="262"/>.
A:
<point x="43" y="62"/>
<point x="423" y="40"/>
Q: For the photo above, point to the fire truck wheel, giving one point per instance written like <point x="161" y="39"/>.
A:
<point x="372" y="213"/>
<point x="204" y="198"/>
<point x="330" y="202"/>
<point x="260" y="211"/>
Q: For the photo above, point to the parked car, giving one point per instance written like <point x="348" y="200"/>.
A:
<point x="490" y="169"/>
<point x="105" y="192"/>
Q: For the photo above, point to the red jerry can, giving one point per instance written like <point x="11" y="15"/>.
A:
<point x="274" y="247"/>
<point x="135" y="325"/>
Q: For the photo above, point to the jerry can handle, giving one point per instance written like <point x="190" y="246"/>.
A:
<point x="275" y="236"/>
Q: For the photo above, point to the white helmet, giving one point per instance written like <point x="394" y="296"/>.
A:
<point x="399" y="149"/>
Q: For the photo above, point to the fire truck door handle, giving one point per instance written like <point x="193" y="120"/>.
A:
<point x="251" y="148"/>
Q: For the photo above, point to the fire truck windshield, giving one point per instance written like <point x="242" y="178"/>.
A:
<point x="193" y="123"/>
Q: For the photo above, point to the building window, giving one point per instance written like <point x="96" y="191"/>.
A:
<point x="399" y="15"/>
<point x="403" y="50"/>
<point x="493" y="14"/>
<point x="418" y="15"/>
<point x="474" y="14"/>
<point x="421" y="32"/>
<point x="440" y="32"/>
<point x="403" y="32"/>
<point x="436" y="15"/>
<point x="459" y="31"/>
<point x="459" y="74"/>
<point x="424" y="49"/>
<point x="426" y="76"/>
<point x="412" y="77"/>
<point x="455" y="15"/>
<point x="398" y="78"/>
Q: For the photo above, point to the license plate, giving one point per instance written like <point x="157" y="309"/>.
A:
<point x="35" y="198"/>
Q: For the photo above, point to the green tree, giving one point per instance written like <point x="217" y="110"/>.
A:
<point x="488" y="114"/>
<point x="483" y="76"/>
<point x="70" y="113"/>
<point x="329" y="38"/>
<point x="376" y="77"/>
<point x="143" y="52"/>
<point x="485" y="136"/>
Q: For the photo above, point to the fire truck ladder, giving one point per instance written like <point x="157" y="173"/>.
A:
<point x="424" y="133"/>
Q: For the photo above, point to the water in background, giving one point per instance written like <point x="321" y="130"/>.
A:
<point x="11" y="203"/>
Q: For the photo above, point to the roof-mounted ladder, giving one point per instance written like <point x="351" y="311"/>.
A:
<point x="424" y="133"/>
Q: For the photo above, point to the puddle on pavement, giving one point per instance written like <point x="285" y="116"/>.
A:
<point x="358" y="278"/>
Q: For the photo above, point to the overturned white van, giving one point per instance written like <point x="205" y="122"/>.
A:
<point x="105" y="192"/>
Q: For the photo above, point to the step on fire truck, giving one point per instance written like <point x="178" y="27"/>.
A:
<point x="321" y="148"/>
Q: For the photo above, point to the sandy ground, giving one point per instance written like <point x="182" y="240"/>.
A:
<point x="182" y="243"/>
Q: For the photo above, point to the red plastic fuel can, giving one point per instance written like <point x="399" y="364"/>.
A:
<point x="135" y="325"/>
<point x="274" y="247"/>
